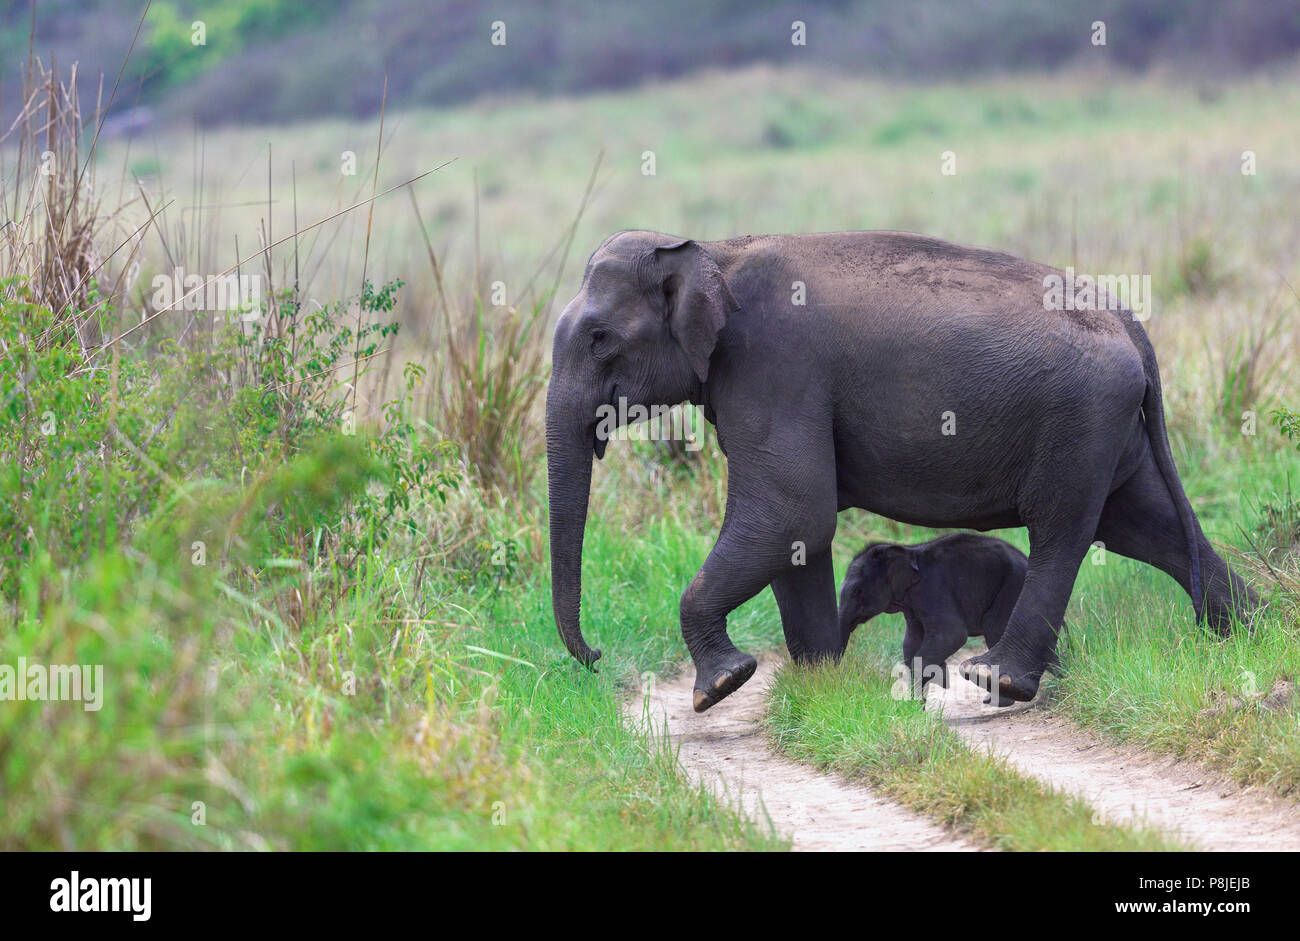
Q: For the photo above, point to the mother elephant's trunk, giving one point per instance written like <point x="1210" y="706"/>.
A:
<point x="570" y="443"/>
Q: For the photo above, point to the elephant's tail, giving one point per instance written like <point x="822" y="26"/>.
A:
<point x="1153" y="411"/>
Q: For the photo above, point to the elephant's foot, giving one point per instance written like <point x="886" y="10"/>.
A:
<point x="1002" y="700"/>
<point x="718" y="679"/>
<point x="1224" y="617"/>
<point x="1002" y="678"/>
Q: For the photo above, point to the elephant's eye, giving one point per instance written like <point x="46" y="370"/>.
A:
<point x="599" y="341"/>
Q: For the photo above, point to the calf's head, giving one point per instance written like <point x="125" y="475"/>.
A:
<point x="876" y="582"/>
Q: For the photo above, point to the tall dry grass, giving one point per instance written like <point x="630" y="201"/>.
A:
<point x="68" y="247"/>
<point x="494" y="359"/>
<point x="56" y="244"/>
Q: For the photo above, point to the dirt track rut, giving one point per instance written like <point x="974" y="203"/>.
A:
<point x="725" y="750"/>
<point x="1182" y="798"/>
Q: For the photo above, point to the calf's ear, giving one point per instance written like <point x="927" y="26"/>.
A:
<point x="698" y="301"/>
<point x="904" y="569"/>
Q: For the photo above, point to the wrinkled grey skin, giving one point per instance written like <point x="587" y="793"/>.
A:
<point x="842" y="402"/>
<point x="948" y="590"/>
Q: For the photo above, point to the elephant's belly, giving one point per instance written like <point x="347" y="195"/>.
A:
<point x="940" y="511"/>
<point x="940" y="518"/>
<point x="927" y="489"/>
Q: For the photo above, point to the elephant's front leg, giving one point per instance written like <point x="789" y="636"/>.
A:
<point x="753" y="549"/>
<point x="926" y="648"/>
<point x="777" y="513"/>
<point x="731" y="575"/>
<point x="805" y="593"/>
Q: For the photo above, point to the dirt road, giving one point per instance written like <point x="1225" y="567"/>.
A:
<point x="725" y="750"/>
<point x="1181" y="797"/>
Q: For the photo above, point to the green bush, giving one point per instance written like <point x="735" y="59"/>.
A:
<point x="157" y="426"/>
<point x="159" y="505"/>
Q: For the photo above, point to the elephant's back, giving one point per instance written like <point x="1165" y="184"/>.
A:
<point x="873" y="278"/>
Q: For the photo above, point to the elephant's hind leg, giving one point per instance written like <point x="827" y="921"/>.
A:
<point x="1014" y="665"/>
<point x="1067" y="497"/>
<point x="1141" y="521"/>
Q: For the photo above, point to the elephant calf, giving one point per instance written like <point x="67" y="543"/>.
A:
<point x="949" y="589"/>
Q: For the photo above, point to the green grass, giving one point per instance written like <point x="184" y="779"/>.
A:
<point x="309" y="639"/>
<point x="845" y="720"/>
<point x="1107" y="174"/>
<point x="1139" y="671"/>
<point x="1156" y="682"/>
<point x="465" y="725"/>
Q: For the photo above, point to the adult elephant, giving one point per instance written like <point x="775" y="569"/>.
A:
<point x="927" y="382"/>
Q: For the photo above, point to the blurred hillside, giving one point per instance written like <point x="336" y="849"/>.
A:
<point x="275" y="60"/>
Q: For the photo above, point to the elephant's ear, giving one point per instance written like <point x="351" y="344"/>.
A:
<point x="904" y="570"/>
<point x="698" y="300"/>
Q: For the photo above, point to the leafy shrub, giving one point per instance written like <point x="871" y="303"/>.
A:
<point x="162" y="504"/>
<point x="150" y="427"/>
<point x="1288" y="423"/>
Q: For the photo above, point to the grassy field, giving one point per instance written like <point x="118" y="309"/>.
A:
<point x="1072" y="167"/>
<point x="1137" y="669"/>
<point x="367" y="656"/>
<point x="1106" y="174"/>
